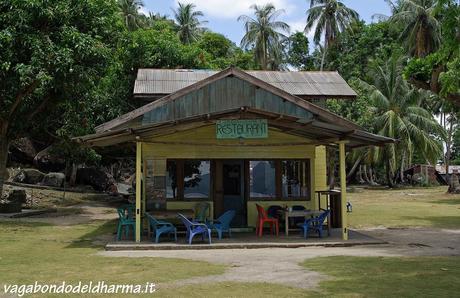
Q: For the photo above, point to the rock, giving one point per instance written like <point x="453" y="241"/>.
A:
<point x="10" y="207"/>
<point x="29" y="176"/>
<point x="17" y="196"/>
<point x="22" y="150"/>
<point x="99" y="180"/>
<point x="54" y="179"/>
<point x="48" y="160"/>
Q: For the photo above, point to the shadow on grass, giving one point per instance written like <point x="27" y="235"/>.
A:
<point x="447" y="201"/>
<point x="97" y="237"/>
<point x="438" y="221"/>
<point x="15" y="224"/>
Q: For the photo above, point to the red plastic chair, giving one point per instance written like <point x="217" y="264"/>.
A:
<point x="263" y="218"/>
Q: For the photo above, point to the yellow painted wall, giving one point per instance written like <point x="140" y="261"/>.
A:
<point x="206" y="137"/>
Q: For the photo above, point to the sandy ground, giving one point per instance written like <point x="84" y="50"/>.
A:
<point x="282" y="265"/>
<point x="74" y="215"/>
<point x="273" y="265"/>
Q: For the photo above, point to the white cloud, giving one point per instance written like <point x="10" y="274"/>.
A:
<point x="232" y="9"/>
<point x="143" y="10"/>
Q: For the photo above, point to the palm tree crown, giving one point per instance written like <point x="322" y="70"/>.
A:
<point x="129" y="11"/>
<point x="399" y="114"/>
<point x="329" y="18"/>
<point x="265" y="35"/>
<point x="421" y="29"/>
<point x="187" y="19"/>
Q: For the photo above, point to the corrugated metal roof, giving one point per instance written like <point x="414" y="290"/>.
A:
<point x="153" y="82"/>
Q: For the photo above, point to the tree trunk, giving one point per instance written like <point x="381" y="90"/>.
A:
<point x="353" y="169"/>
<point x="401" y="169"/>
<point x="4" y="143"/>
<point x="371" y="174"/>
<point x="449" y="150"/>
<point x="389" y="174"/>
<point x="360" y="175"/>
<point x="323" y="58"/>
<point x="73" y="175"/>
<point x="366" y="177"/>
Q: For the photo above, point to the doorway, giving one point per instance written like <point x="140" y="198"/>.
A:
<point x="233" y="190"/>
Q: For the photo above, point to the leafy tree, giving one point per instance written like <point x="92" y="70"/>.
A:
<point x="439" y="71"/>
<point x="398" y="114"/>
<point x="298" y="53"/>
<point x="189" y="25"/>
<point x="329" y="18"/>
<point x="53" y="55"/>
<point x="129" y="10"/>
<point x="421" y="30"/>
<point x="215" y="44"/>
<point x="265" y="35"/>
<point x="359" y="44"/>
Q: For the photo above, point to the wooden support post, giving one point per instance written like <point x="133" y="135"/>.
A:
<point x="343" y="189"/>
<point x="313" y="198"/>
<point x="138" y="190"/>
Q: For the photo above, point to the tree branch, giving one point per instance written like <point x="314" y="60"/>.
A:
<point x="39" y="109"/>
<point x="23" y="93"/>
<point x="434" y="86"/>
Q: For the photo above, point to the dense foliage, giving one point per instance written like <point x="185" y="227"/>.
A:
<point x="67" y="66"/>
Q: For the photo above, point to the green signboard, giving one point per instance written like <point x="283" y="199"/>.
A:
<point x="246" y="129"/>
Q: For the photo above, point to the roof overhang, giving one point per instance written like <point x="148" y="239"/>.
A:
<point x="317" y="132"/>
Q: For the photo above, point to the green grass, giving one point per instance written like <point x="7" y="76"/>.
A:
<point x="388" y="276"/>
<point x="422" y="207"/>
<point x="32" y="252"/>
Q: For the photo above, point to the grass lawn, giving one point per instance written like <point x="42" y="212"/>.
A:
<point x="388" y="277"/>
<point x="425" y="207"/>
<point x="32" y="252"/>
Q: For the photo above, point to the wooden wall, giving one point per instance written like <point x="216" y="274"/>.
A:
<point x="225" y="94"/>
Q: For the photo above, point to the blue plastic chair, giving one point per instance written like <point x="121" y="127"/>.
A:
<point x="222" y="223"/>
<point x="315" y="224"/>
<point x="195" y="228"/>
<point x="124" y="222"/>
<point x="159" y="227"/>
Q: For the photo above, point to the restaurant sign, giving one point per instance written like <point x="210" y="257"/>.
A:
<point x="246" y="129"/>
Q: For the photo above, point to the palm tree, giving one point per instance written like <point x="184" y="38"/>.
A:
<point x="422" y="31"/>
<point x="189" y="26"/>
<point x="129" y="10"/>
<point x="399" y="114"/>
<point x="265" y="35"/>
<point x="329" y="18"/>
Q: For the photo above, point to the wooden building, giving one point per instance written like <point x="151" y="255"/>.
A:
<point x="233" y="139"/>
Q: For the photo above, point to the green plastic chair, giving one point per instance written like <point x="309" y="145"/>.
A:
<point x="125" y="221"/>
<point x="201" y="212"/>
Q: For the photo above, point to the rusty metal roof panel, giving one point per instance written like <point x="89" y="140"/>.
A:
<point x="303" y="83"/>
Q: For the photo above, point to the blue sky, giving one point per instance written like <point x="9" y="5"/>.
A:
<point x="222" y="14"/>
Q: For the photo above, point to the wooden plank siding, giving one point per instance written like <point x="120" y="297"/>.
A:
<point x="225" y="94"/>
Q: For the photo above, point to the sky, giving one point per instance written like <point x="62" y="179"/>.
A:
<point x="222" y="15"/>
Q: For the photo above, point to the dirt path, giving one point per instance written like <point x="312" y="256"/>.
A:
<point x="74" y="215"/>
<point x="282" y="265"/>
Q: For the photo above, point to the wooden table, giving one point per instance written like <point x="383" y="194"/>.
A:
<point x="168" y="214"/>
<point x="298" y="213"/>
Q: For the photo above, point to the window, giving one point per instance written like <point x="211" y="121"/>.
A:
<point x="262" y="178"/>
<point x="171" y="179"/>
<point x="196" y="179"/>
<point x="294" y="182"/>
